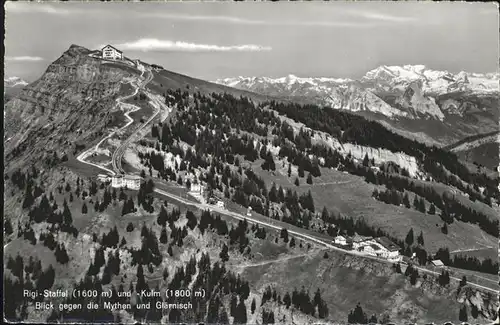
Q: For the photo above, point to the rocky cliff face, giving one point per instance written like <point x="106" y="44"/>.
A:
<point x="379" y="155"/>
<point x="359" y="151"/>
<point x="70" y="103"/>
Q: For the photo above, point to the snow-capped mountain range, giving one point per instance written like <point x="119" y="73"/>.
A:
<point x="409" y="91"/>
<point x="14" y="82"/>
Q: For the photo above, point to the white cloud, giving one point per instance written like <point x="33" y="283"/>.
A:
<point x="152" y="44"/>
<point x="244" y="21"/>
<point x="227" y="19"/>
<point x="385" y="17"/>
<point x="23" y="58"/>
<point x="35" y="7"/>
<point x="370" y="18"/>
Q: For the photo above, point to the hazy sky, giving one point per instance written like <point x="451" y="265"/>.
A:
<point x="214" y="40"/>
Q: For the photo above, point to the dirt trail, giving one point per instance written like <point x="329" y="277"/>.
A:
<point x="244" y="266"/>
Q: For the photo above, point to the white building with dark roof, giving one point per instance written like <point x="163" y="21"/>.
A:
<point x="390" y="250"/>
<point x="340" y="240"/>
<point x="132" y="182"/>
<point x="359" y="241"/>
<point x="111" y="53"/>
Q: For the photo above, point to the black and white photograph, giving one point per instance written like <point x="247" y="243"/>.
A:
<point x="304" y="162"/>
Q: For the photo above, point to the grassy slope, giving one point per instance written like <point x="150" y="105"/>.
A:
<point x="81" y="249"/>
<point x="486" y="154"/>
<point x="345" y="281"/>
<point x="351" y="195"/>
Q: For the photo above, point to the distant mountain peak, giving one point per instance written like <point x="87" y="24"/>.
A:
<point x="14" y="82"/>
<point x="394" y="91"/>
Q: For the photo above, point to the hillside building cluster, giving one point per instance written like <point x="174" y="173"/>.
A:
<point x="381" y="247"/>
<point x="131" y="182"/>
<point x="198" y="190"/>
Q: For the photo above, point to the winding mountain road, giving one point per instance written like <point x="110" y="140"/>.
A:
<point x="118" y="153"/>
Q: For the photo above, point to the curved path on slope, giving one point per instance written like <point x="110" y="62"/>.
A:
<point x="120" y="101"/>
<point x="120" y="151"/>
<point x="306" y="237"/>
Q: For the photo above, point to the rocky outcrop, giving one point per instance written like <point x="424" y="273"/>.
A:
<point x="417" y="104"/>
<point x="70" y="103"/>
<point x="378" y="155"/>
<point x="485" y="303"/>
<point x="358" y="151"/>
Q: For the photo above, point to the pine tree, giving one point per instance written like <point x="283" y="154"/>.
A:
<point x="241" y="313"/>
<point x="474" y="312"/>
<point x="296" y="182"/>
<point x="422" y="207"/>
<point x="130" y="227"/>
<point x="67" y="218"/>
<point x="409" y="237"/>
<point x="462" y="314"/>
<point x="141" y="283"/>
<point x="366" y="160"/>
<point x="106" y="275"/>
<point x="224" y="256"/>
<point x="309" y="179"/>
<point x="317" y="297"/>
<point x="162" y="217"/>
<point x="284" y="235"/>
<point x="300" y="170"/>
<point x="292" y="243"/>
<point x="164" y="237"/>
<point x="61" y="254"/>
<point x="192" y="221"/>
<point x="233" y="305"/>
<point x="289" y="170"/>
<point x="432" y="209"/>
<point x="420" y="239"/>
<point x="253" y="306"/>
<point x="463" y="282"/>
<point x="416" y="202"/>
<point x="444" y="278"/>
<point x="413" y="276"/>
<point x="406" y="200"/>
<point x="357" y="316"/>
<point x="444" y="228"/>
<point x="287" y="300"/>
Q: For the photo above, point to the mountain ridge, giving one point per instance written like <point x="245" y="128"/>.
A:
<point x="398" y="95"/>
